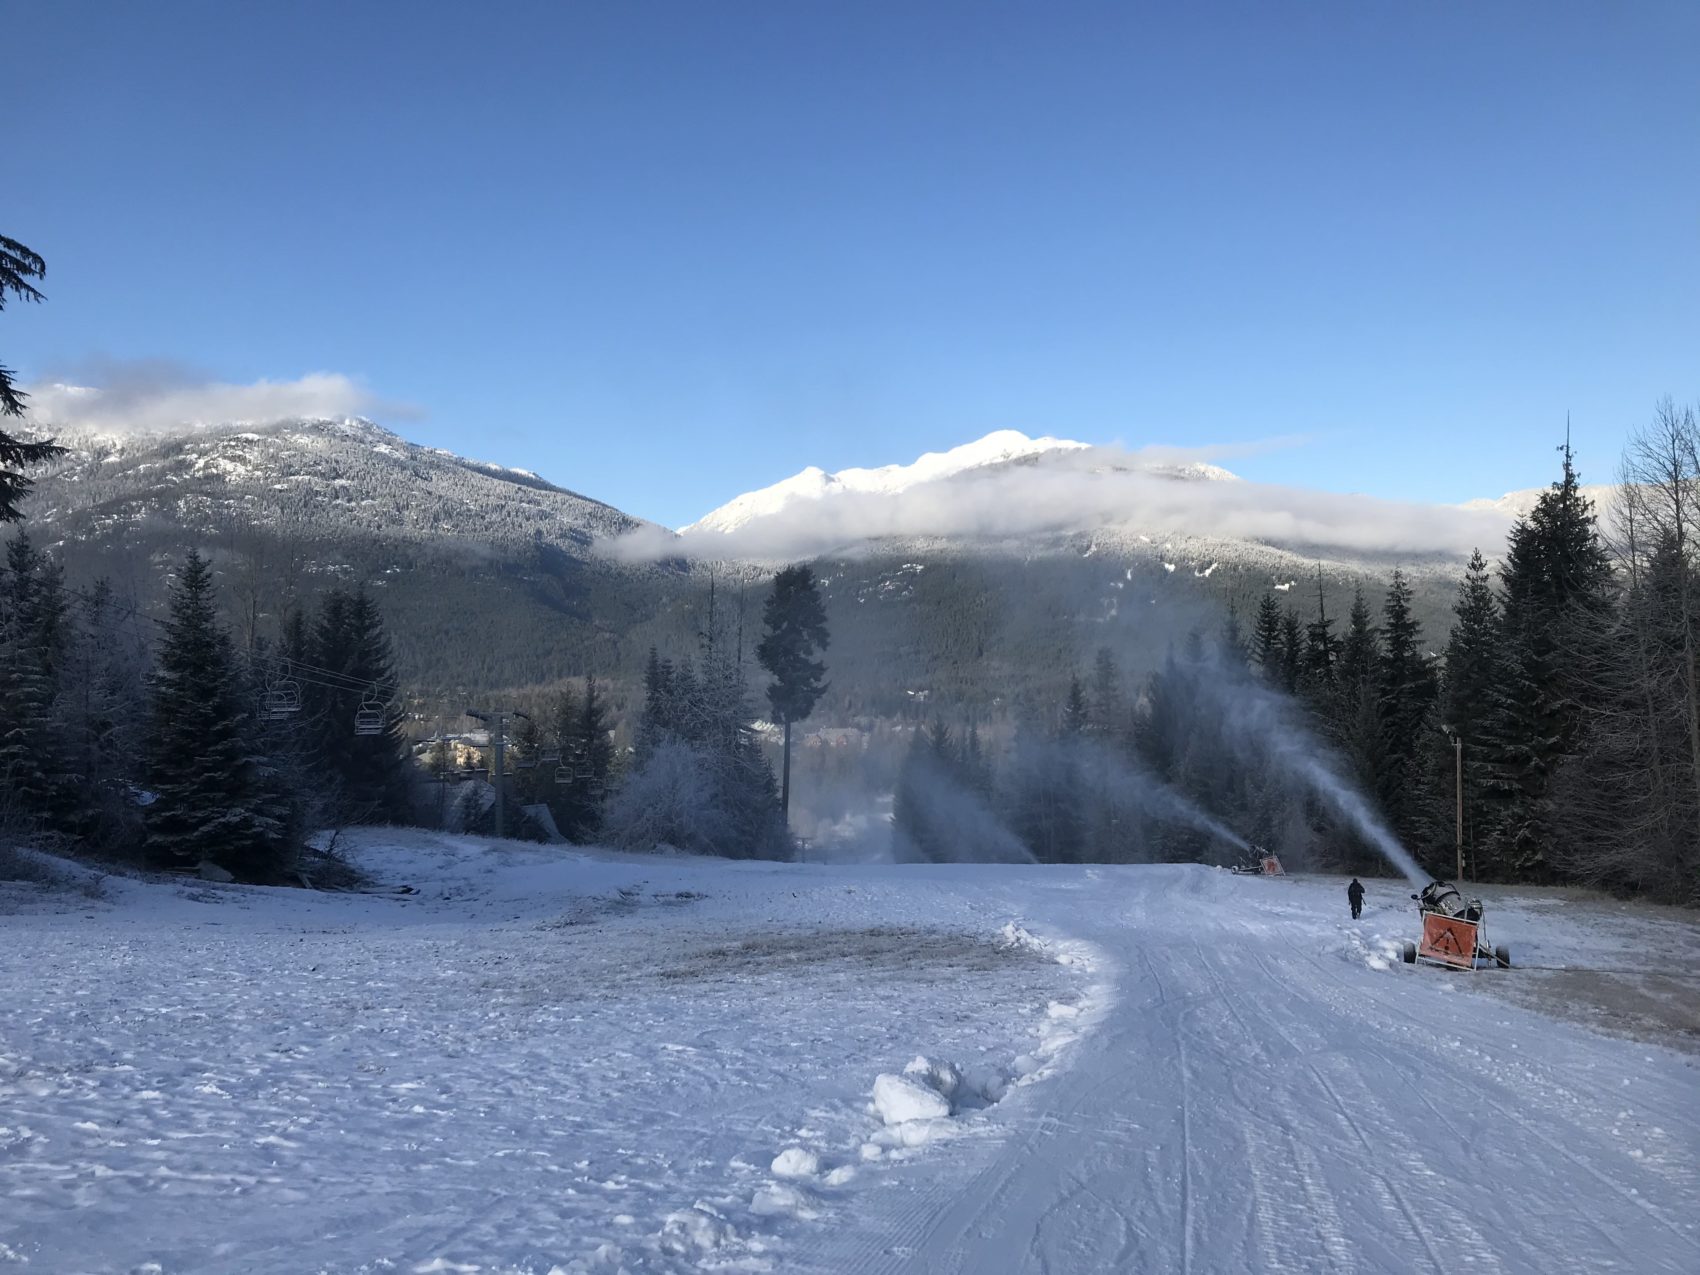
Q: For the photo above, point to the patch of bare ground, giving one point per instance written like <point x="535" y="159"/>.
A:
<point x="1618" y="966"/>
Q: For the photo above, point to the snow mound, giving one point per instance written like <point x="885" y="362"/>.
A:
<point x="796" y="1162"/>
<point x="702" y="1228"/>
<point x="1376" y="951"/>
<point x="898" y="1100"/>
<point x="778" y="1199"/>
<point x="1014" y="936"/>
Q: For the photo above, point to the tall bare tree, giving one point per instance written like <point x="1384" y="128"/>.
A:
<point x="1630" y="797"/>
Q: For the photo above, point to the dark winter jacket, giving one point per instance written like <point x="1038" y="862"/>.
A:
<point x="1355" y="893"/>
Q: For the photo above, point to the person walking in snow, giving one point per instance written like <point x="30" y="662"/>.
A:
<point x="1355" y="896"/>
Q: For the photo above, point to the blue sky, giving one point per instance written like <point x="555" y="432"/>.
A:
<point x="665" y="253"/>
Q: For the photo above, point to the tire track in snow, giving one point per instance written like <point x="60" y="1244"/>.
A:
<point x="1271" y="1142"/>
<point x="1316" y="1053"/>
<point x="1001" y="1198"/>
<point x="1463" y="1070"/>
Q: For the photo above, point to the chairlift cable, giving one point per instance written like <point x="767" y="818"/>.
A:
<point x="133" y="611"/>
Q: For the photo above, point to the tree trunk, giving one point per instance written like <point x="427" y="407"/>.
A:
<point x="785" y="782"/>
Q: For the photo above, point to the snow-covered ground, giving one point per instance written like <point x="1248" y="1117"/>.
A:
<point x="556" y="1061"/>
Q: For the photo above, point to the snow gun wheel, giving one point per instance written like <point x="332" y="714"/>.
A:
<point x="1502" y="957"/>
<point x="1408" y="953"/>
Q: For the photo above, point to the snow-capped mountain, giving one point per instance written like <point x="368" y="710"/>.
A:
<point x="495" y="577"/>
<point x="308" y="478"/>
<point x="813" y="483"/>
<point x="1054" y="497"/>
<point x="487" y="575"/>
<point x="1519" y="504"/>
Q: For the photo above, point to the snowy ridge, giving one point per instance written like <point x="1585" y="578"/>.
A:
<point x="813" y="483"/>
<point x="1519" y="504"/>
<point x="335" y="477"/>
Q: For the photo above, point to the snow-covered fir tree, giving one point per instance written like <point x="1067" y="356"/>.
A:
<point x="210" y="798"/>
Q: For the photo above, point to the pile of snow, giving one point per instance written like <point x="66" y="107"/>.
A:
<point x="796" y="1162"/>
<point x="899" y="1100"/>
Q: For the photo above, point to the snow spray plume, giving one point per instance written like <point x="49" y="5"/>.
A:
<point x="941" y="819"/>
<point x="1263" y="720"/>
<point x="1132" y="788"/>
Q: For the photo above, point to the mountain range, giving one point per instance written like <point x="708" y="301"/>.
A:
<point x="970" y="577"/>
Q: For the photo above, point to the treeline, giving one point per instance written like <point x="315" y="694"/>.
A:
<point x="564" y="761"/>
<point x="161" y="741"/>
<point x="1564" y="708"/>
<point x="698" y="780"/>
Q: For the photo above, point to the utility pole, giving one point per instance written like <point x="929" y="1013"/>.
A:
<point x="439" y="759"/>
<point x="498" y="724"/>
<point x="1458" y="754"/>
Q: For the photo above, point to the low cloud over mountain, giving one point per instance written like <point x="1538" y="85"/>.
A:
<point x="154" y="397"/>
<point x="1013" y="487"/>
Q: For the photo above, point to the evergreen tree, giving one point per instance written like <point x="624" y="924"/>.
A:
<point x="1234" y="651"/>
<point x="1292" y="652"/>
<point x="1360" y="650"/>
<point x="1043" y="802"/>
<point x="1472" y="672"/>
<point x="1161" y="730"/>
<point x="1356" y="716"/>
<point x="1322" y="650"/>
<point x="1076" y="714"/>
<point x="699" y="780"/>
<point x="940" y="741"/>
<point x="367" y="772"/>
<point x="31" y="776"/>
<point x="658" y="720"/>
<point x="18" y="265"/>
<point x="1626" y="796"/>
<point x="102" y="721"/>
<point x="1266" y="639"/>
<point x="588" y="753"/>
<point x="930" y="789"/>
<point x="794" y="623"/>
<point x="530" y="780"/>
<point x="1106" y="711"/>
<point x="1407" y="694"/>
<point x="976" y="766"/>
<point x="209" y="800"/>
<point x="1556" y="585"/>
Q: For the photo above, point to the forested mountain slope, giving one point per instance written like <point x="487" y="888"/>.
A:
<point x="496" y="579"/>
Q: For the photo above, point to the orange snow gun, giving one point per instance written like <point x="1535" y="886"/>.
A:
<point x="1259" y="862"/>
<point x="1454" y="931"/>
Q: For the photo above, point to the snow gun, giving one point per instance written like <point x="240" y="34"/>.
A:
<point x="1454" y="931"/>
<point x="1258" y="862"/>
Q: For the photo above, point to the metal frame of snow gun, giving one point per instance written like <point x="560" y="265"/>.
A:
<point x="1259" y="862"/>
<point x="1454" y="932"/>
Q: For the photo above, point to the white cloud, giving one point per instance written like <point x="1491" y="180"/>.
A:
<point x="150" y="397"/>
<point x="1088" y="490"/>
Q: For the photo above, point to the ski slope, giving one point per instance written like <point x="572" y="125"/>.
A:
<point x="562" y="1062"/>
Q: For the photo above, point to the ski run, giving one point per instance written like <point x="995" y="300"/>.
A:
<point x="548" y="1061"/>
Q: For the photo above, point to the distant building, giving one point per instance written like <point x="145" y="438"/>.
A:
<point x="836" y="737"/>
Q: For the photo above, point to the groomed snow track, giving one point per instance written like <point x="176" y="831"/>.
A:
<point x="548" y="1062"/>
<point x="1269" y="1094"/>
